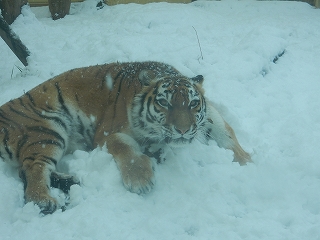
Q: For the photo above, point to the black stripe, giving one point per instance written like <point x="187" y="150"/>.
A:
<point x="117" y="96"/>
<point x="21" y="143"/>
<point x="23" y="177"/>
<point x="61" y="100"/>
<point x="118" y="75"/>
<point x="5" y="142"/>
<point x="49" y="160"/>
<point x="43" y="158"/>
<point x="208" y="135"/>
<point x="155" y="89"/>
<point x="99" y="71"/>
<point x="29" y="158"/>
<point x="141" y="103"/>
<point x="30" y="98"/>
<point x="150" y="117"/>
<point x="55" y="119"/>
<point x="46" y="142"/>
<point x="49" y="132"/>
<point x="81" y="126"/>
<point x="4" y="117"/>
<point x="21" y="102"/>
<point x="141" y="123"/>
<point x="6" y="123"/>
<point x="204" y="105"/>
<point x="22" y="114"/>
<point x="89" y="135"/>
<point x="156" y="109"/>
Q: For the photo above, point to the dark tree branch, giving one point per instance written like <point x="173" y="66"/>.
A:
<point x="14" y="42"/>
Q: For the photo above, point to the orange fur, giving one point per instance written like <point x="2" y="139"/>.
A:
<point x="114" y="104"/>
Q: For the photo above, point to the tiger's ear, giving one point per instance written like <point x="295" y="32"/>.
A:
<point x="146" y="76"/>
<point x="197" y="79"/>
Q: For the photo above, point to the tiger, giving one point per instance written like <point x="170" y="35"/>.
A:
<point x="135" y="109"/>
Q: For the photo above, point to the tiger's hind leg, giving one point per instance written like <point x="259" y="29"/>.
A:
<point x="38" y="171"/>
<point x="38" y="175"/>
<point x="35" y="174"/>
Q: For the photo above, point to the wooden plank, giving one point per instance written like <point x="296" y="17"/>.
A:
<point x="39" y="3"/>
<point x="114" y="2"/>
<point x="13" y="41"/>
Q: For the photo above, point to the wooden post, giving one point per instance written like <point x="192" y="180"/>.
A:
<point x="11" y="9"/>
<point x="59" y="8"/>
<point x="13" y="41"/>
<point x="317" y="3"/>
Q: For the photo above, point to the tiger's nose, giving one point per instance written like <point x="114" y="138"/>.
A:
<point x="181" y="131"/>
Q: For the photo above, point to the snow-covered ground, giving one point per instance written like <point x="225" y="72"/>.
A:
<point x="272" y="103"/>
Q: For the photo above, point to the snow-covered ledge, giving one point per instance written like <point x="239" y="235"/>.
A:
<point x="114" y="2"/>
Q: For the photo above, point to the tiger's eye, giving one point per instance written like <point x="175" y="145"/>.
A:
<point x="163" y="102"/>
<point x="194" y="103"/>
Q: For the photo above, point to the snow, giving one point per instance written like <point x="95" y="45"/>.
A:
<point x="199" y="193"/>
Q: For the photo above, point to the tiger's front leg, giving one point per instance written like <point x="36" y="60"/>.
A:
<point x="135" y="167"/>
<point x="223" y="134"/>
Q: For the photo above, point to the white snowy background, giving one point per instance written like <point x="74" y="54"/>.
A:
<point x="200" y="193"/>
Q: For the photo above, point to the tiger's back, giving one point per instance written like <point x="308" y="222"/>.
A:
<point x="72" y="105"/>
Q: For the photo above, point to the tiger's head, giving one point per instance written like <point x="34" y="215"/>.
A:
<point x="170" y="109"/>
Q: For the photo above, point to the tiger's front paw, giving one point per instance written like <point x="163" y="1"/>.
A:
<point x="46" y="203"/>
<point x="242" y="157"/>
<point x="137" y="175"/>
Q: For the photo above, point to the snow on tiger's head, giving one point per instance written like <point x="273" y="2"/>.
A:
<point x="169" y="109"/>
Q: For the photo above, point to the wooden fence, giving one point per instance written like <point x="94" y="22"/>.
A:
<point x="35" y="3"/>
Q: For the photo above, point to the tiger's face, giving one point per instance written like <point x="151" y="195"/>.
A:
<point x="170" y="109"/>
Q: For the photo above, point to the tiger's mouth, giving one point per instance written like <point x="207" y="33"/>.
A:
<point x="176" y="138"/>
<point x="178" y="142"/>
